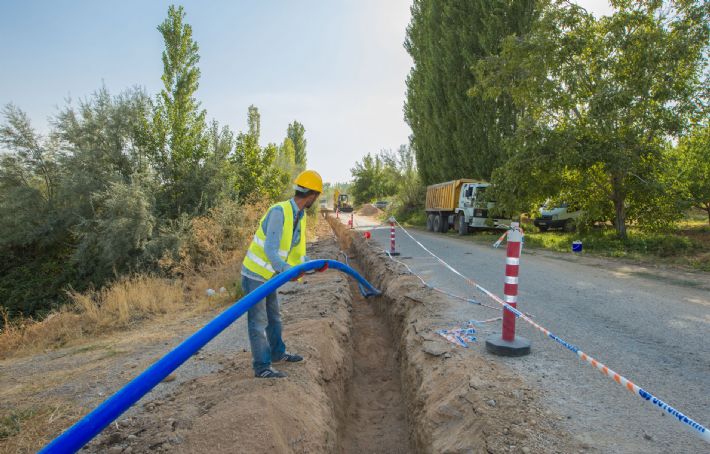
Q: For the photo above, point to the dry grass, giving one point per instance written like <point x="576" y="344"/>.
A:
<point x="29" y="335"/>
<point x="93" y="313"/>
<point x="128" y="300"/>
<point x="210" y="258"/>
<point x="26" y="429"/>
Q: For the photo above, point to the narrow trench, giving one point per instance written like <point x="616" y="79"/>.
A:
<point x="374" y="419"/>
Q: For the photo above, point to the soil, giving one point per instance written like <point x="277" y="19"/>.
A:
<point x="457" y="401"/>
<point x="369" y="210"/>
<point x="375" y="418"/>
<point x="376" y="378"/>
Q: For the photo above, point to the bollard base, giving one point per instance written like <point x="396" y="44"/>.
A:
<point x="496" y="345"/>
<point x="393" y="253"/>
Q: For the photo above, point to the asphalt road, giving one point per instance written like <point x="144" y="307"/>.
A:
<point x="653" y="331"/>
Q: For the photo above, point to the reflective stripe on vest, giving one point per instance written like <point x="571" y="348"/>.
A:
<point x="262" y="243"/>
<point x="260" y="262"/>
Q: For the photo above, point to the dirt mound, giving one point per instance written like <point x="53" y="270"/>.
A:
<point x="369" y="210"/>
<point x="228" y="410"/>
<point x="457" y="400"/>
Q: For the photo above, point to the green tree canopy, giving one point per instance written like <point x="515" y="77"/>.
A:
<point x="179" y="140"/>
<point x="600" y="97"/>
<point x="297" y="133"/>
<point x="457" y="134"/>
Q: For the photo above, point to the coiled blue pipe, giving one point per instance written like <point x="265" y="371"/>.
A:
<point x="90" y="425"/>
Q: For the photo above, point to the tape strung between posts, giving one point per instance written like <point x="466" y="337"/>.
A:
<point x="699" y="429"/>
<point x="90" y="425"/>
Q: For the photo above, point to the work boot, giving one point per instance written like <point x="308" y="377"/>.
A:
<point x="270" y="373"/>
<point x="289" y="358"/>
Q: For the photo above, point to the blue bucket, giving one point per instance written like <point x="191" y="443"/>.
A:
<point x="576" y="246"/>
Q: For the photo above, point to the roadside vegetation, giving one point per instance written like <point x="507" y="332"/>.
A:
<point x="131" y="205"/>
<point x="687" y="246"/>
<point x="551" y="104"/>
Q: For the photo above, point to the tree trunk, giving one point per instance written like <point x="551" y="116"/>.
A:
<point x="619" y="197"/>
<point x="707" y="208"/>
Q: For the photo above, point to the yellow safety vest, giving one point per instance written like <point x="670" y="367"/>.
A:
<point x="256" y="260"/>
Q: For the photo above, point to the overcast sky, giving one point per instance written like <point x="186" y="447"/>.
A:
<point x="338" y="67"/>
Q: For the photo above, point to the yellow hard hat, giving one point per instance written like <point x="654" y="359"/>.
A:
<point x="310" y="179"/>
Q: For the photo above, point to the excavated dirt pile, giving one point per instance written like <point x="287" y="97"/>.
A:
<point x="457" y="400"/>
<point x="369" y="210"/>
<point x="231" y="411"/>
<point x="346" y="397"/>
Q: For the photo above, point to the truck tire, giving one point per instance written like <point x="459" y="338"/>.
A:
<point x="461" y="224"/>
<point x="443" y="223"/>
<point x="430" y="222"/>
<point x="437" y="223"/>
<point x="543" y="228"/>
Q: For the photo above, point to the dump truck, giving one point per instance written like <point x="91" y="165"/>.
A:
<point x="460" y="204"/>
<point x="341" y="202"/>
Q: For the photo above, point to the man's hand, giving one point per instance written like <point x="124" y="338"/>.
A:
<point x="298" y="277"/>
<point x="323" y="268"/>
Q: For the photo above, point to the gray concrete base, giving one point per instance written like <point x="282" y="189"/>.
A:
<point x="496" y="345"/>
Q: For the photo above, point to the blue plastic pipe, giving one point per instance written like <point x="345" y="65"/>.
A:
<point x="90" y="425"/>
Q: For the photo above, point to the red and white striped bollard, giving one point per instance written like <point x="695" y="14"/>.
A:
<point x="507" y="344"/>
<point x="392" y="239"/>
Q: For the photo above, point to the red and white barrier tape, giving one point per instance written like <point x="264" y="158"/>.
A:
<point x="698" y="428"/>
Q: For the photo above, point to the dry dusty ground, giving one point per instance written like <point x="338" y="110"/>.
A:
<point x="375" y="379"/>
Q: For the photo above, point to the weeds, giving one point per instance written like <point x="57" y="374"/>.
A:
<point x="11" y="422"/>
<point x="207" y="254"/>
<point x="128" y="300"/>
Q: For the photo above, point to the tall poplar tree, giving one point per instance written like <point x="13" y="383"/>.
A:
<point x="180" y="144"/>
<point x="297" y="133"/>
<point x="456" y="134"/>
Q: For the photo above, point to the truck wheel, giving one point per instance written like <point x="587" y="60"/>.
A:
<point x="569" y="225"/>
<point x="430" y="222"/>
<point x="543" y="228"/>
<point x="461" y="224"/>
<point x="443" y="223"/>
<point x="437" y="223"/>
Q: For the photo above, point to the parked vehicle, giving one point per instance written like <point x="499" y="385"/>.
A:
<point x="460" y="204"/>
<point x="562" y="216"/>
<point x="381" y="204"/>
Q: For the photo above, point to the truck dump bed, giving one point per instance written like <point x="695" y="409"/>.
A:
<point x="444" y="196"/>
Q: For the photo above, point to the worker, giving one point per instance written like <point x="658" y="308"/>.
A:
<point x="279" y="244"/>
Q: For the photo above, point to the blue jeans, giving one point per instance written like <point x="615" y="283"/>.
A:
<point x="264" y="322"/>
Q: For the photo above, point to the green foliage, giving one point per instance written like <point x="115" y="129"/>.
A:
<point x="606" y="242"/>
<point x="691" y="167"/>
<point x="127" y="184"/>
<point x="600" y="96"/>
<point x="254" y="122"/>
<point x="456" y="134"/>
<point x="374" y="177"/>
<point x="297" y="133"/>
<point x="179" y="145"/>
<point x="392" y="176"/>
<point x="255" y="168"/>
<point x="285" y="163"/>
<point x="112" y="241"/>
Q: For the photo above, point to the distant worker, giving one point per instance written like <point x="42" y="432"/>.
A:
<point x="279" y="244"/>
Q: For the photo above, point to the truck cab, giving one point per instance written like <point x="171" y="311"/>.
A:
<point x="473" y="208"/>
